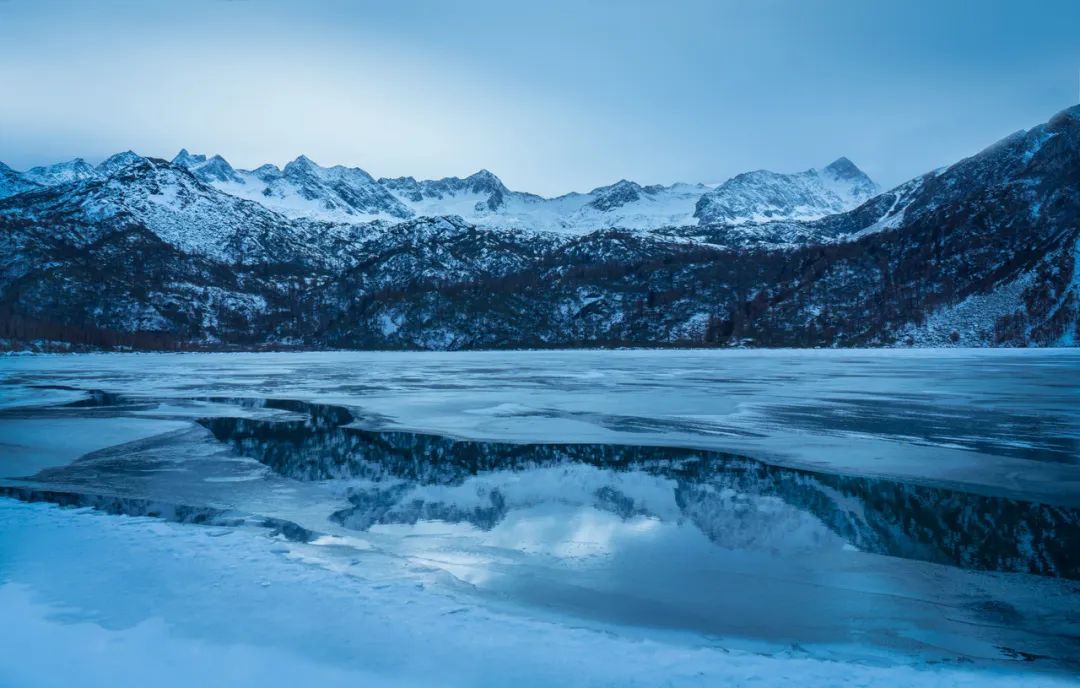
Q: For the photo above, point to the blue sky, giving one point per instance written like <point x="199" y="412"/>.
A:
<point x="552" y="96"/>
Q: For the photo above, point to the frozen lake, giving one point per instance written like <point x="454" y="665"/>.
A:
<point x="593" y="518"/>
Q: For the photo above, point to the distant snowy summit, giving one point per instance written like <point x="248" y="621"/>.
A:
<point x="763" y="196"/>
<point x="306" y="190"/>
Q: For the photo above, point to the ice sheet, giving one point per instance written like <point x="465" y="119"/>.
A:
<point x="168" y="605"/>
<point x="30" y="445"/>
<point x="1004" y="420"/>
<point x="569" y="563"/>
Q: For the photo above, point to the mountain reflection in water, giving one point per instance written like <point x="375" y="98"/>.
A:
<point x="406" y="478"/>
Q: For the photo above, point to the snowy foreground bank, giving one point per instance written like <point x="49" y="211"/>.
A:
<point x="99" y="599"/>
<point x="636" y="518"/>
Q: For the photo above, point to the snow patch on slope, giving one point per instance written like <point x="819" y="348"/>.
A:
<point x="969" y="321"/>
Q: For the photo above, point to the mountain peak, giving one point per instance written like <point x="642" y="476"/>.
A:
<point x="856" y="183"/>
<point x="484" y="181"/>
<point x="1068" y="116"/>
<point x="484" y="175"/>
<point x="616" y="195"/>
<point x="762" y="195"/>
<point x="619" y="185"/>
<point x="843" y="168"/>
<point x="186" y="159"/>
<point x="354" y="175"/>
<point x="217" y="169"/>
<point x="266" y="172"/>
<point x="13" y="183"/>
<point x="60" y="173"/>
<point x="302" y="165"/>
<point x="116" y="162"/>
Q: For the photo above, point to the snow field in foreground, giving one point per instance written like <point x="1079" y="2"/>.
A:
<point x="106" y="599"/>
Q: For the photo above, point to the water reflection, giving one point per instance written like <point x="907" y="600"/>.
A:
<point x="168" y="511"/>
<point x="644" y="537"/>
<point x="405" y="479"/>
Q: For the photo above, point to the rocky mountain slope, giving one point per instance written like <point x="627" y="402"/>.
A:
<point x="145" y="252"/>
<point x="60" y="173"/>
<point x="12" y="182"/>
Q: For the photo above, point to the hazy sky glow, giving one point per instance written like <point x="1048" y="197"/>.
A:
<point x="551" y="96"/>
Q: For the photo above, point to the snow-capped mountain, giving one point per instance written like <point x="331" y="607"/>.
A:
<point x="61" y="173"/>
<point x="630" y="205"/>
<point x="627" y="204"/>
<point x="12" y="182"/>
<point x="179" y="210"/>
<point x="984" y="252"/>
<point x="483" y="199"/>
<point x="117" y="162"/>
<point x="304" y="189"/>
<point x="301" y="189"/>
<point x="762" y="196"/>
<point x="216" y="169"/>
<point x="479" y="194"/>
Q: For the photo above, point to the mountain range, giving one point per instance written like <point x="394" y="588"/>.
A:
<point x="304" y="190"/>
<point x="139" y="251"/>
